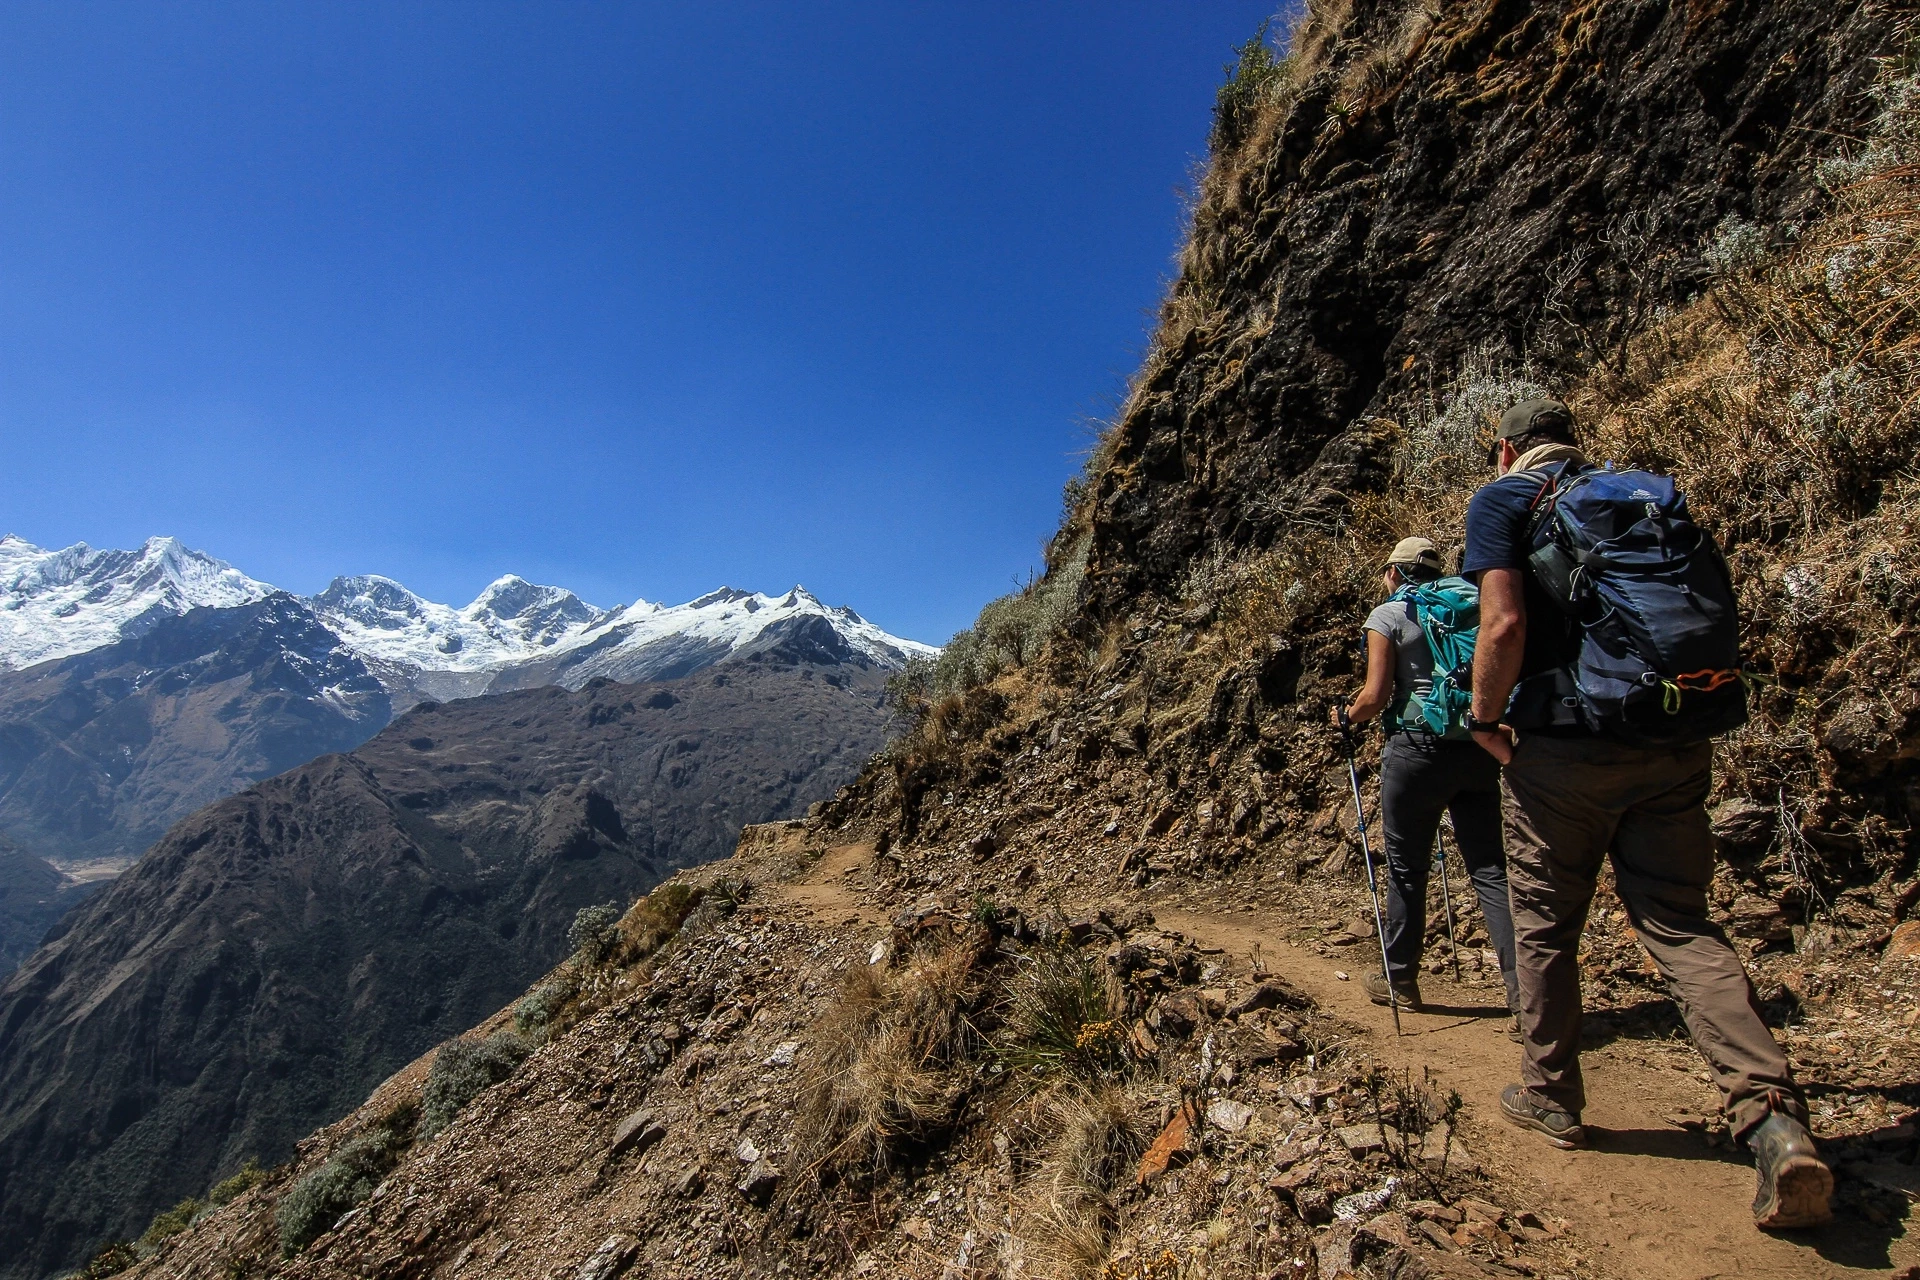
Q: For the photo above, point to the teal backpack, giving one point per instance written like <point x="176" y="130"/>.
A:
<point x="1448" y="612"/>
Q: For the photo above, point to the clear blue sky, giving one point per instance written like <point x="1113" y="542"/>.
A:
<point x="634" y="298"/>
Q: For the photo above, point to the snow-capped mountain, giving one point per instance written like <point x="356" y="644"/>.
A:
<point x="515" y="634"/>
<point x="510" y="621"/>
<point x="54" y="604"/>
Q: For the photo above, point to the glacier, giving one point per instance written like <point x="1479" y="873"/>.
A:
<point x="54" y="604"/>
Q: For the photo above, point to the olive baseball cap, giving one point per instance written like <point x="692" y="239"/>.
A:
<point x="1534" y="415"/>
<point x="1540" y="414"/>
<point x="1417" y="551"/>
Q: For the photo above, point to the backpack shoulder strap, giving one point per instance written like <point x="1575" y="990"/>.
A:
<point x="1551" y="479"/>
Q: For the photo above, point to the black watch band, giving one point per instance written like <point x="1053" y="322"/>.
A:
<point x="1482" y="726"/>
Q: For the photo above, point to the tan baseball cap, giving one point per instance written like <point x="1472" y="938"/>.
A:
<point x="1416" y="551"/>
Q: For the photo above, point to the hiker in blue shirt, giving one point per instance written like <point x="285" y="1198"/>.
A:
<point x="1424" y="773"/>
<point x="1606" y="662"/>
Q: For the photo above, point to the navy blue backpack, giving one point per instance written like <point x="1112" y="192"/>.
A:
<point x="1658" y="661"/>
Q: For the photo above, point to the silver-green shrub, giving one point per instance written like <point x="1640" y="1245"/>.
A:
<point x="321" y="1198"/>
<point x="593" y="931"/>
<point x="461" y="1070"/>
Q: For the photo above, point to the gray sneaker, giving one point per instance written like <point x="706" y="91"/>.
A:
<point x="1795" y="1183"/>
<point x="1562" y="1128"/>
<point x="1407" y="991"/>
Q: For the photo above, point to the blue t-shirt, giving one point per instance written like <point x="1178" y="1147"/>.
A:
<point x="1497" y="520"/>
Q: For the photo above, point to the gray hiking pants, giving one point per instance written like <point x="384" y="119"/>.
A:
<point x="1569" y="803"/>
<point x="1421" y="778"/>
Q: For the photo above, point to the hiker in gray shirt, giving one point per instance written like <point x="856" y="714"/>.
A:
<point x="1424" y="774"/>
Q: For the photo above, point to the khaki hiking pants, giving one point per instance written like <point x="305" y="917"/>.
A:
<point x="1568" y="804"/>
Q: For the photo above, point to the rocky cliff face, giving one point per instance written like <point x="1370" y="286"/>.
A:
<point x="280" y="952"/>
<point x="1417" y="182"/>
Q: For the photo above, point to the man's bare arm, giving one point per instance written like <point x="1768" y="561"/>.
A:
<point x="1497" y="653"/>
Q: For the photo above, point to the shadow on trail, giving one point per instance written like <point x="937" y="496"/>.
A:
<point x="1663" y="1144"/>
<point x="1861" y="1234"/>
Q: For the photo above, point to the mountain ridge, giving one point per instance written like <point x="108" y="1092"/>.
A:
<point x="136" y="686"/>
<point x="60" y="604"/>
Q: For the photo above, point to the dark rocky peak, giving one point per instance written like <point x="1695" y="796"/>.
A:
<point x="543" y="613"/>
<point x="806" y="638"/>
<point x="725" y="595"/>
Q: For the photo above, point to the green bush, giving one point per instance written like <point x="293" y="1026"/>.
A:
<point x="461" y="1070"/>
<point x="1062" y="1016"/>
<point x="324" y="1196"/>
<point x="170" y="1222"/>
<point x="594" y="931"/>
<point x="536" y="1010"/>
<point x="111" y="1260"/>
<point x="1254" y="78"/>
<point x="1010" y="632"/>
<point x="249" y="1177"/>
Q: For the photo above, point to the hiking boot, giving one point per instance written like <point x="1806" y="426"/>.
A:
<point x="1795" y="1183"/>
<point x="1513" y="1029"/>
<point x="1407" y="991"/>
<point x="1562" y="1128"/>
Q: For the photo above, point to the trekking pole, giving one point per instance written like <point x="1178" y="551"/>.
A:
<point x="1366" y="857"/>
<point x="1446" y="894"/>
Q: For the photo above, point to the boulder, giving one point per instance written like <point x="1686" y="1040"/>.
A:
<point x="1174" y="1015"/>
<point x="1754" y="917"/>
<point x="636" y="1133"/>
<point x="1260" y="1046"/>
<point x="610" y="1259"/>
<point x="1743" y="828"/>
<point x="759" y="1183"/>
<point x="1270" y="994"/>
<point x="1227" y="1115"/>
<point x="1365" y="1139"/>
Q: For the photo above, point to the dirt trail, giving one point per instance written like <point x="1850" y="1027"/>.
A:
<point x="1653" y="1200"/>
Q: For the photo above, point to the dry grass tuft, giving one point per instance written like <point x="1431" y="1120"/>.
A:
<point x="890" y="1062"/>
<point x="1096" y="1143"/>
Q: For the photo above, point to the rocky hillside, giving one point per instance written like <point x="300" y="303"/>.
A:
<point x="33" y="895"/>
<point x="279" y="952"/>
<point x="1063" y="985"/>
<point x="1417" y="183"/>
<point x="102" y="751"/>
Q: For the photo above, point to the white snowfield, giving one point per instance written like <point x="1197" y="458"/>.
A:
<point x="54" y="604"/>
<point x="736" y="618"/>
<point x="510" y="621"/>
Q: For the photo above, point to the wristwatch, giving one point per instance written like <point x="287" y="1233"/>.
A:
<point x="1482" y="726"/>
